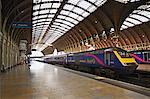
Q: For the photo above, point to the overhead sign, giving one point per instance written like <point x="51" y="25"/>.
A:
<point x="22" y="25"/>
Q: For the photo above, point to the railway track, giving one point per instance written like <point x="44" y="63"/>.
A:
<point x="144" y="82"/>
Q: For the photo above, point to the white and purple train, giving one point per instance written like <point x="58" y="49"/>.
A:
<point x="108" y="61"/>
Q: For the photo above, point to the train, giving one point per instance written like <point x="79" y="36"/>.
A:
<point x="107" y="61"/>
<point x="142" y="57"/>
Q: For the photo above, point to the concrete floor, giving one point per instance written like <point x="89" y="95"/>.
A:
<point x="44" y="81"/>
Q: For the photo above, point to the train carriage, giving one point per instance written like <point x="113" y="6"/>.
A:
<point x="142" y="57"/>
<point x="108" y="60"/>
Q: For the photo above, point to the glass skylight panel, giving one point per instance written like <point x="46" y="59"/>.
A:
<point x="65" y="26"/>
<point x="145" y="13"/>
<point x="80" y="18"/>
<point x="61" y="17"/>
<point x="93" y="1"/>
<point x="137" y="11"/>
<point x="35" y="13"/>
<point x="134" y="0"/>
<point x="78" y="10"/>
<point x="41" y="20"/>
<point x="59" y="27"/>
<point x="52" y="28"/>
<point x="33" y="25"/>
<point x="59" y="30"/>
<point x="51" y="15"/>
<point x="84" y="4"/>
<point x="73" y="1"/>
<point x="34" y="18"/>
<point x="63" y="12"/>
<point x="44" y="28"/>
<point x="71" y="20"/>
<point x="59" y="20"/>
<point x="53" y="11"/>
<point x="34" y="22"/>
<point x="128" y="24"/>
<point x="42" y="16"/>
<point x="38" y="33"/>
<point x="85" y="14"/>
<point x="46" y="5"/>
<point x="46" y="0"/>
<point x="40" y="23"/>
<point x="92" y="9"/>
<point x="36" y="7"/>
<point x="73" y="15"/>
<point x="133" y="20"/>
<point x="36" y="28"/>
<point x="47" y="22"/>
<point x="49" y="19"/>
<point x="139" y="17"/>
<point x="36" y="1"/>
<point x="100" y="2"/>
<point x="55" y="5"/>
<point x="52" y="39"/>
<point x="46" y="25"/>
<point x="142" y="7"/>
<point x="44" y="11"/>
<point x="43" y="47"/>
<point x="56" y="23"/>
<point x="68" y="23"/>
<point x="69" y="7"/>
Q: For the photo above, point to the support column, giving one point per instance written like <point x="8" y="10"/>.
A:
<point x="0" y="35"/>
<point x="4" y="52"/>
<point x="23" y="50"/>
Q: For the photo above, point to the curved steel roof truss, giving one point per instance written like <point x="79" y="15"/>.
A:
<point x="64" y="15"/>
<point x="138" y="16"/>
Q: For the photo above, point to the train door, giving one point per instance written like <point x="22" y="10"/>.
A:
<point x="109" y="58"/>
<point x="146" y="56"/>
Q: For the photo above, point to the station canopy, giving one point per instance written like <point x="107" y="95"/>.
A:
<point x="53" y="18"/>
<point x="138" y="16"/>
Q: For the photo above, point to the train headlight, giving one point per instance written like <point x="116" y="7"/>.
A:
<point x="125" y="64"/>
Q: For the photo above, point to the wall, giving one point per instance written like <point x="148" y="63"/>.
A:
<point x="9" y="51"/>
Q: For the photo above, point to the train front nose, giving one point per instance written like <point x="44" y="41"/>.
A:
<point x="130" y="67"/>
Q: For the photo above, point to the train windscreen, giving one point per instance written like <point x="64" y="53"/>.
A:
<point x="124" y="54"/>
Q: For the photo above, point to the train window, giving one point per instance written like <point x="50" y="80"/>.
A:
<point x="112" y="57"/>
<point x="148" y="56"/>
<point x="137" y="52"/>
<point x="145" y="57"/>
<point x="124" y="54"/>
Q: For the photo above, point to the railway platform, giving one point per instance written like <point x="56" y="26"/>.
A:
<point x="45" y="81"/>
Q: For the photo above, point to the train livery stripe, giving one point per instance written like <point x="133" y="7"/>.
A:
<point x="124" y="60"/>
<point x="138" y="58"/>
<point x="96" y="58"/>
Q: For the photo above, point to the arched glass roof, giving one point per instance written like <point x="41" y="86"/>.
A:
<point x="138" y="16"/>
<point x="52" y="18"/>
<point x="126" y="1"/>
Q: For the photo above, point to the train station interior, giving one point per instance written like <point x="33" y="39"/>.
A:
<point x="74" y="49"/>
